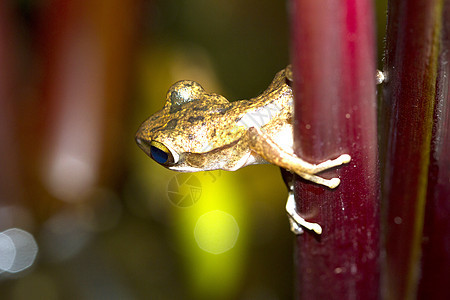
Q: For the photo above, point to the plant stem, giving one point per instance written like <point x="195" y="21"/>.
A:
<point x="412" y="48"/>
<point x="433" y="282"/>
<point x="335" y="112"/>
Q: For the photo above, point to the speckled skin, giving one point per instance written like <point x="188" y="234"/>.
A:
<point x="205" y="130"/>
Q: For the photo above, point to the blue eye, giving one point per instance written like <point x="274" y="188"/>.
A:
<point x="160" y="153"/>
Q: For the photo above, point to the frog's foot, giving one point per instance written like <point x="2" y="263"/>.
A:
<point x="296" y="221"/>
<point x="331" y="163"/>
<point x="330" y="183"/>
<point x="295" y="228"/>
<point x="380" y="77"/>
<point x="288" y="73"/>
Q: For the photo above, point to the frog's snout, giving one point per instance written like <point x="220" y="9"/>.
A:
<point x="143" y="144"/>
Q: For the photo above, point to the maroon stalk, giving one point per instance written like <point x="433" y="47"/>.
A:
<point x="335" y="113"/>
<point x="412" y="48"/>
<point x="435" y="270"/>
<point x="10" y="179"/>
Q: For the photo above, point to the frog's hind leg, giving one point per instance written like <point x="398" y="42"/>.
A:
<point x="296" y="221"/>
<point x="262" y="144"/>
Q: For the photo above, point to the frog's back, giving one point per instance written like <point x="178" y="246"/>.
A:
<point x="274" y="105"/>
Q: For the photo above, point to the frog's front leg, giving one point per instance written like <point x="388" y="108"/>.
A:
<point x="261" y="143"/>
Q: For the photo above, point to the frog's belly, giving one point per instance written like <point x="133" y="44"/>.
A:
<point x="254" y="159"/>
<point x="284" y="138"/>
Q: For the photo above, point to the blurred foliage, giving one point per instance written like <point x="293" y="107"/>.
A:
<point x="99" y="69"/>
<point x="87" y="74"/>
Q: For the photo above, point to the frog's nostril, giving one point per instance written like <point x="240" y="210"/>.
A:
<point x="140" y="142"/>
<point x="143" y="144"/>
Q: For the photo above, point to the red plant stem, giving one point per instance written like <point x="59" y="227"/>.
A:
<point x="10" y="181"/>
<point x="412" y="48"/>
<point x="433" y="282"/>
<point x="335" y="113"/>
<point x="85" y="50"/>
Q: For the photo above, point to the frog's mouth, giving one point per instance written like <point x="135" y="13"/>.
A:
<point x="228" y="157"/>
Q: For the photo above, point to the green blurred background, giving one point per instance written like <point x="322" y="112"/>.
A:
<point x="80" y="77"/>
<point x="77" y="77"/>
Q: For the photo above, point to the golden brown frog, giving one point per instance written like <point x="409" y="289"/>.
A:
<point x="200" y="131"/>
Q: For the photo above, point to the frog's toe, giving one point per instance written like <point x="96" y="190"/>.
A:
<point x="333" y="182"/>
<point x="295" y="228"/>
<point x="344" y="158"/>
<point x="289" y="75"/>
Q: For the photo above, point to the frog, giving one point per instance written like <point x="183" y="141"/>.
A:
<point x="198" y="130"/>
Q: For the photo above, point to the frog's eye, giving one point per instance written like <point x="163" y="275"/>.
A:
<point x="160" y="153"/>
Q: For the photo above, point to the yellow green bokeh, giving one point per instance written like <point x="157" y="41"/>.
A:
<point x="216" y="232"/>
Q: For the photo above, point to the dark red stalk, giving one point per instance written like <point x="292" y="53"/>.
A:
<point x="412" y="49"/>
<point x="10" y="181"/>
<point x="335" y="112"/>
<point x="85" y="48"/>
<point x="435" y="271"/>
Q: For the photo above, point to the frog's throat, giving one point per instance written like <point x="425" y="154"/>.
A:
<point x="229" y="158"/>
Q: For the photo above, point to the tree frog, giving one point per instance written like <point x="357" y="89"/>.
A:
<point x="199" y="131"/>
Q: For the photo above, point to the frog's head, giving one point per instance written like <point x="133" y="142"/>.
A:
<point x="182" y="130"/>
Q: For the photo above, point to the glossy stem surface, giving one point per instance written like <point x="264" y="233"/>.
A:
<point x="411" y="60"/>
<point x="435" y="269"/>
<point x="335" y="113"/>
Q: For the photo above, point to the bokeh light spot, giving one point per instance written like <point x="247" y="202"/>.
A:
<point x="7" y="252"/>
<point x="216" y="232"/>
<point x="70" y="177"/>
<point x="18" y="250"/>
